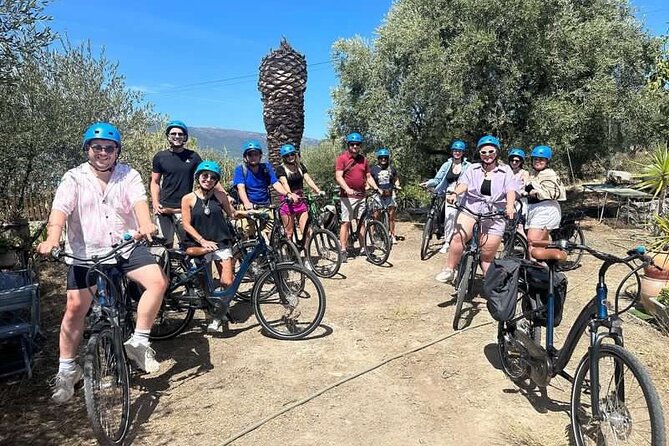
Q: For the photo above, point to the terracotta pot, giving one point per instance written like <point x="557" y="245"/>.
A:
<point x="650" y="288"/>
<point x="661" y="268"/>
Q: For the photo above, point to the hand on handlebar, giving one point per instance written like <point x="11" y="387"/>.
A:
<point x="46" y="247"/>
<point x="451" y="197"/>
<point x="146" y="231"/>
<point x="510" y="212"/>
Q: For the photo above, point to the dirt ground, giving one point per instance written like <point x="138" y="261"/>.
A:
<point x="451" y="392"/>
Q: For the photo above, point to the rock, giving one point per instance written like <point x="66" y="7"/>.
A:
<point x="618" y="177"/>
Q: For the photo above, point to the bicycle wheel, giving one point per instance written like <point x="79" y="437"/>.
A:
<point x="511" y="352"/>
<point x="173" y="316"/>
<point x="288" y="252"/>
<point x="385" y="219"/>
<point x="294" y="305"/>
<point x="465" y="281"/>
<point x="574" y="234"/>
<point x="323" y="252"/>
<point x="630" y="405"/>
<point x="107" y="387"/>
<point x="377" y="242"/>
<point x="427" y="236"/>
<point x="515" y="249"/>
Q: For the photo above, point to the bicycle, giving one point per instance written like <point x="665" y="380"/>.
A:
<point x="570" y="230"/>
<point x="106" y="367"/>
<point x="434" y="224"/>
<point x="603" y="410"/>
<point x="282" y="293"/>
<point x="376" y="241"/>
<point x="514" y="243"/>
<point x="469" y="262"/>
<point x="321" y="246"/>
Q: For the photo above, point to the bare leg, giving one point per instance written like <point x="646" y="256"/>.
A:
<point x="461" y="235"/>
<point x="152" y="279"/>
<point x="72" y="326"/>
<point x="288" y="225"/>
<point x="489" y="245"/>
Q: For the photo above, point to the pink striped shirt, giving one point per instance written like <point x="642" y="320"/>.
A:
<point x="97" y="218"/>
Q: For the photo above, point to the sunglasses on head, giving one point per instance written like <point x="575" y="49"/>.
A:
<point x="97" y="148"/>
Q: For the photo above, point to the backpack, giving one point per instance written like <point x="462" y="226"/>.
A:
<point x="500" y="288"/>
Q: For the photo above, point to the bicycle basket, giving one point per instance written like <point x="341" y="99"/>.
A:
<point x="536" y="285"/>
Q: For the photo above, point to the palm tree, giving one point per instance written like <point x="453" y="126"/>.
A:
<point x="282" y="82"/>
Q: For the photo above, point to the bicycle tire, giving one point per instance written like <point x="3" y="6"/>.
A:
<point x="519" y="248"/>
<point x="465" y="281"/>
<point x="427" y="236"/>
<point x="171" y="309"/>
<point x="573" y="233"/>
<point x="377" y="242"/>
<point x="281" y="313"/>
<point x="516" y="368"/>
<point x="323" y="252"/>
<point x="288" y="252"/>
<point x="622" y="423"/>
<point x="106" y="372"/>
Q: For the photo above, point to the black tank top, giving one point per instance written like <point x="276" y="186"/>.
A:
<point x="212" y="226"/>
<point x="485" y="188"/>
<point x="450" y="176"/>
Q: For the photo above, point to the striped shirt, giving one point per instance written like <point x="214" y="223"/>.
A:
<point x="97" y="218"/>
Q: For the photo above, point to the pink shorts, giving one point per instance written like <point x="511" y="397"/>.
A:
<point x="293" y="208"/>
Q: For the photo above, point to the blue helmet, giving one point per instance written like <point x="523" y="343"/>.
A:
<point x="382" y="151"/>
<point x="488" y="140"/>
<point x="542" y="152"/>
<point x="102" y="130"/>
<point x="209" y="166"/>
<point x="517" y="151"/>
<point x="250" y="146"/>
<point x="287" y="149"/>
<point x="354" y="137"/>
<point x="458" y="144"/>
<point x="176" y="124"/>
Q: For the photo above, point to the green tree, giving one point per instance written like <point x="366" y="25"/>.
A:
<point x="20" y="37"/>
<point x="43" y="116"/>
<point x="569" y="74"/>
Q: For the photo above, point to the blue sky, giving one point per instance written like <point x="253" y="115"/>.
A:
<point x="198" y="61"/>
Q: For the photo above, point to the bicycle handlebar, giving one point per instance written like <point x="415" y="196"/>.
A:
<point x="57" y="253"/>
<point x="487" y="215"/>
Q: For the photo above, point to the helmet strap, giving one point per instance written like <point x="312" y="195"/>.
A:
<point x="102" y="170"/>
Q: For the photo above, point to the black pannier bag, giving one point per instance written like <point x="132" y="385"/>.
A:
<point x="500" y="288"/>
<point x="536" y="283"/>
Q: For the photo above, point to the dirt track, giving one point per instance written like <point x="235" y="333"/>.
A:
<point x="451" y="392"/>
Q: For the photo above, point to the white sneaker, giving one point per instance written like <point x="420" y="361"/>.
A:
<point x="143" y="356"/>
<point x="444" y="249"/>
<point x="216" y="326"/>
<point x="63" y="384"/>
<point x="445" y="276"/>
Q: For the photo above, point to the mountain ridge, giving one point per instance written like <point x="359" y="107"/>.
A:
<point x="231" y="140"/>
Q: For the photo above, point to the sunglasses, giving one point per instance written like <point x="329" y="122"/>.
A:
<point x="354" y="144"/>
<point x="97" y="148"/>
<point x="515" y="160"/>
<point x="487" y="152"/>
<point x="209" y="176"/>
<point x="177" y="135"/>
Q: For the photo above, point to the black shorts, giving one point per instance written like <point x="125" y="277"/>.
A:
<point x="139" y="257"/>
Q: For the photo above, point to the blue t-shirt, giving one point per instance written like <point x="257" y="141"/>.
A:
<point x="256" y="184"/>
<point x="384" y="177"/>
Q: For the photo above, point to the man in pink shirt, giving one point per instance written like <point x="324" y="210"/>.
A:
<point x="352" y="174"/>
<point x="100" y="200"/>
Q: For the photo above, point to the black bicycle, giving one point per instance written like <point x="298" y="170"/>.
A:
<point x="434" y="224"/>
<point x="288" y="300"/>
<point x="109" y="324"/>
<point x="469" y="262"/>
<point x="376" y="241"/>
<point x="613" y="399"/>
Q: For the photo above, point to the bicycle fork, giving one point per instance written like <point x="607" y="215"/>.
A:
<point x="596" y="339"/>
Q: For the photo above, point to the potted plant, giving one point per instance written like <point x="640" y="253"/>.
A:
<point x="659" y="308"/>
<point x="654" y="177"/>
